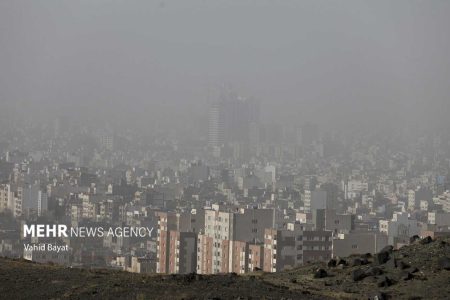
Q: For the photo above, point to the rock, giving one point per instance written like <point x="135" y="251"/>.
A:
<point x="342" y="262"/>
<point x="306" y="292"/>
<point x="444" y="263"/>
<point x="364" y="261"/>
<point x="320" y="273"/>
<point x="406" y="276"/>
<point x="356" y="262"/>
<point x="402" y="265"/>
<point x="359" y="262"/>
<point x="412" y="270"/>
<point x="391" y="263"/>
<point x="381" y="257"/>
<point x="373" y="271"/>
<point x="426" y="240"/>
<point x="388" y="249"/>
<point x="358" y="274"/>
<point x="366" y="256"/>
<point x="384" y="281"/>
<point x="414" y="239"/>
<point x="332" y="263"/>
<point x="380" y="296"/>
<point x="190" y="277"/>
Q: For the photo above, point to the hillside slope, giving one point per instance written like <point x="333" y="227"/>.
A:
<point x="418" y="271"/>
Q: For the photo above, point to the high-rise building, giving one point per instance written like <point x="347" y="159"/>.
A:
<point x="34" y="199"/>
<point x="177" y="241"/>
<point x="11" y="199"/>
<point x="204" y="254"/>
<point x="216" y="127"/>
<point x="219" y="227"/>
<point x="5" y="194"/>
<point x="230" y="231"/>
<point x="233" y="119"/>
<point x="182" y="252"/>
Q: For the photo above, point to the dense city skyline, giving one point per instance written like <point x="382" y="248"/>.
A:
<point x="199" y="137"/>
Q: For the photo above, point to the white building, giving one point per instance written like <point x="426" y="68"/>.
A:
<point x="400" y="228"/>
<point x="307" y="201"/>
<point x="218" y="226"/>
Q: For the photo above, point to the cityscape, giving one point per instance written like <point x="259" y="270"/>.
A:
<point x="248" y="196"/>
<point x="226" y="142"/>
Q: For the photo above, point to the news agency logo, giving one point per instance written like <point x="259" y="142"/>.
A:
<point x="61" y="231"/>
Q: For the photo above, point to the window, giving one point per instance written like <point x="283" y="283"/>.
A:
<point x="354" y="246"/>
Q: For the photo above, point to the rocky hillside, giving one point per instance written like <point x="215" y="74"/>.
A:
<point x="418" y="271"/>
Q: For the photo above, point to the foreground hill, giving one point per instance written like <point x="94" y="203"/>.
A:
<point x="418" y="271"/>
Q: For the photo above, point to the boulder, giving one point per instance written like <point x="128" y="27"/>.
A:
<point x="380" y="296"/>
<point x="320" y="273"/>
<point x="356" y="262"/>
<point x="391" y="263"/>
<point x="381" y="257"/>
<point x="426" y="240"/>
<point x="402" y="265"/>
<point x="406" y="276"/>
<point x="412" y="270"/>
<point x="388" y="249"/>
<point x="364" y="261"/>
<point x="414" y="239"/>
<point x="444" y="263"/>
<point x="384" y="281"/>
<point x="366" y="256"/>
<point x="358" y="274"/>
<point x="342" y="262"/>
<point x="332" y="263"/>
<point x="373" y="271"/>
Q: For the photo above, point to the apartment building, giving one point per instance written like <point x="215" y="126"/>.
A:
<point x="182" y="252"/>
<point x="294" y="246"/>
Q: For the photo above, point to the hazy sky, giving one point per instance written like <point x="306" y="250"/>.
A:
<point x="303" y="59"/>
